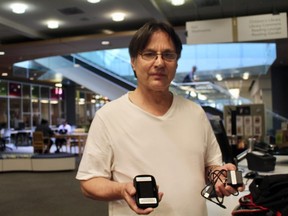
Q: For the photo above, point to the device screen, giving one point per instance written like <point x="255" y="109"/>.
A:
<point x="146" y="189"/>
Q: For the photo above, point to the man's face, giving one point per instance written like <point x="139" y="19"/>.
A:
<point x="156" y="74"/>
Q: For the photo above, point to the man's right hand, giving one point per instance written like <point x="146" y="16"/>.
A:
<point x="128" y="193"/>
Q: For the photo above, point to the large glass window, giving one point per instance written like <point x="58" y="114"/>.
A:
<point x="35" y="92"/>
<point x="28" y="104"/>
<point x="15" y="112"/>
<point x="55" y="112"/>
<point x="26" y="91"/>
<point x="35" y="105"/>
<point x="3" y="88"/>
<point x="44" y="92"/>
<point x="15" y="89"/>
<point x="80" y="108"/>
<point x="3" y="113"/>
<point x="45" y="109"/>
<point x="44" y="105"/>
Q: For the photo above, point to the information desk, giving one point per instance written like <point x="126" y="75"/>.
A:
<point x="79" y="138"/>
<point x="232" y="201"/>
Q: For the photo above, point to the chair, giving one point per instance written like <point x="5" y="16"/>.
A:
<point x="74" y="142"/>
<point x="38" y="142"/>
<point x="5" y="139"/>
<point x="22" y="139"/>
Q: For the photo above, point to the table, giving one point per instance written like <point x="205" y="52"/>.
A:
<point x="80" y="138"/>
<point x="21" y="137"/>
<point x="232" y="201"/>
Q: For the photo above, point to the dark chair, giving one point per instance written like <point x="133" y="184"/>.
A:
<point x="38" y="142"/>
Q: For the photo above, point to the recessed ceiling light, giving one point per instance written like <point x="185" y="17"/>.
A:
<point x="18" y="8"/>
<point x="107" y="31"/>
<point x="118" y="16"/>
<point x="53" y="24"/>
<point x="177" y="2"/>
<point x="93" y="1"/>
<point x="2" y="53"/>
<point x="105" y="43"/>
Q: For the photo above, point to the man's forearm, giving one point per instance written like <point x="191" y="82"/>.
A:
<point x="102" y="189"/>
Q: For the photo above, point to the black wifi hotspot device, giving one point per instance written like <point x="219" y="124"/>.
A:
<point x="146" y="191"/>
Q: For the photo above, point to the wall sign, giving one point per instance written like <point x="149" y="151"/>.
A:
<point x="248" y="28"/>
<point x="211" y="31"/>
<point x="262" y="27"/>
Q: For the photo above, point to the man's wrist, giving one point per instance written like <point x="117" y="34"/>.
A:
<point x="210" y="169"/>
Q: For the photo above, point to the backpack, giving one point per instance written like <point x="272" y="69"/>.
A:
<point x="268" y="197"/>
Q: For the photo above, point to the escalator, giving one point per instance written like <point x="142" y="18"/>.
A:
<point x="92" y="78"/>
<point x="99" y="77"/>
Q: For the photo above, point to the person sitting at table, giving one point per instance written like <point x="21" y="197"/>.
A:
<point x="47" y="133"/>
<point x="64" y="128"/>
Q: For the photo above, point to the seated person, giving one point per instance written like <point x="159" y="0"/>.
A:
<point x="47" y="133"/>
<point x="64" y="128"/>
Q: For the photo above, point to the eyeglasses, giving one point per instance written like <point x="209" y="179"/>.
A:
<point x="167" y="56"/>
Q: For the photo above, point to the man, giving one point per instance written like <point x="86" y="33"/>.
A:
<point x="190" y="76"/>
<point x="47" y="133"/>
<point x="64" y="128"/>
<point x="151" y="131"/>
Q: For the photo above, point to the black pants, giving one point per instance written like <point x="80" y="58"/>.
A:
<point x="60" y="142"/>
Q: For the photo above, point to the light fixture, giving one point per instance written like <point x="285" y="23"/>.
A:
<point x="177" y="2"/>
<point x="58" y="77"/>
<point x="107" y="31"/>
<point x="219" y="77"/>
<point x="53" y="24"/>
<point x="202" y="97"/>
<point x="18" y="8"/>
<point x="53" y="102"/>
<point x="4" y="74"/>
<point x="105" y="43"/>
<point x="44" y="101"/>
<point x="246" y="75"/>
<point x="118" y="16"/>
<point x="235" y="92"/>
<point x="2" y="53"/>
<point x="58" y="89"/>
<point x="59" y="85"/>
<point x="193" y="94"/>
<point x="81" y="101"/>
<point x="93" y="1"/>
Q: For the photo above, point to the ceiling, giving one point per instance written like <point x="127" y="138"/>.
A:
<point x="84" y="25"/>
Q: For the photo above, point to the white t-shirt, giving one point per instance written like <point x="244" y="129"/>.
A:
<point x="66" y="127"/>
<point x="125" y="141"/>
